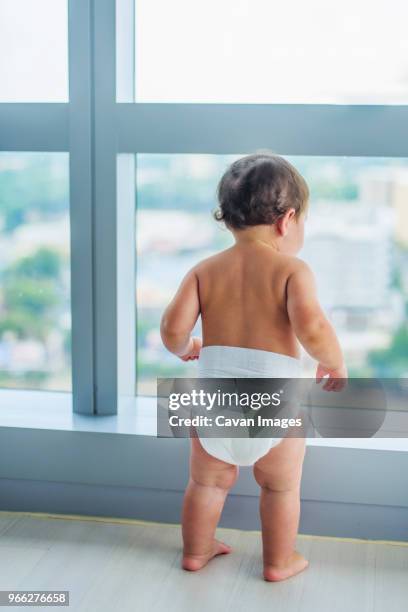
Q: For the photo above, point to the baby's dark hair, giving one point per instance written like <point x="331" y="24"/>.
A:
<point x="258" y="189"/>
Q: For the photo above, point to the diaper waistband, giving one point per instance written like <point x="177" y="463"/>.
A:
<point x="219" y="360"/>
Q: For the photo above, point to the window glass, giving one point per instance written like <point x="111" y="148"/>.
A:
<point x="33" y="51"/>
<point x="268" y="51"/>
<point x="356" y="241"/>
<point x="35" y="315"/>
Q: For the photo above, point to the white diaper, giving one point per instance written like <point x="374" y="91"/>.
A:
<point x="237" y="362"/>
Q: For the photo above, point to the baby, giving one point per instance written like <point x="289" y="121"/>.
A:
<point x="257" y="301"/>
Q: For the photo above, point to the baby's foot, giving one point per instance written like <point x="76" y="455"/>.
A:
<point x="196" y="562"/>
<point x="295" y="564"/>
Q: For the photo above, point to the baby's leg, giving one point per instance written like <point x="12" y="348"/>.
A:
<point x="210" y="481"/>
<point x="279" y="474"/>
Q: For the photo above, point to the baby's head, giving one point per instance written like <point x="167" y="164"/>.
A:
<point x="264" y="189"/>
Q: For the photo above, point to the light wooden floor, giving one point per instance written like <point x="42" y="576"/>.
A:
<point x="110" y="565"/>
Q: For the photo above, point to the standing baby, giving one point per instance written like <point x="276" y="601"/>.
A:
<point x="257" y="302"/>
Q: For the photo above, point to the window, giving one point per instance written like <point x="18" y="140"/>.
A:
<point x="33" y="51"/>
<point x="209" y="85"/>
<point x="356" y="242"/>
<point x="35" y="326"/>
<point x="267" y="51"/>
<point x="174" y="196"/>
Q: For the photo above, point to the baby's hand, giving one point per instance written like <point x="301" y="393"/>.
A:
<point x="336" y="380"/>
<point x="194" y="352"/>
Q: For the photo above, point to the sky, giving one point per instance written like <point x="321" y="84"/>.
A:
<point x="225" y="51"/>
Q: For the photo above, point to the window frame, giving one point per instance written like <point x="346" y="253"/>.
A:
<point x="103" y="129"/>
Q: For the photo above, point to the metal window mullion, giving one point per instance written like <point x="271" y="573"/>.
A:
<point x="126" y="239"/>
<point x="125" y="50"/>
<point x="126" y="253"/>
<point x="34" y="126"/>
<point x="289" y="129"/>
<point x="104" y="206"/>
<point x="81" y="205"/>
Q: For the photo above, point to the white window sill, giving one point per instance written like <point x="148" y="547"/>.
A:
<point x="136" y="416"/>
<point x="53" y="410"/>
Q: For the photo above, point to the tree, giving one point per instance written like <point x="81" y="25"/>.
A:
<point x="30" y="294"/>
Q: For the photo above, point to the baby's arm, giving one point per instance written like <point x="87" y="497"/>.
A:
<point x="179" y="319"/>
<point x="310" y="324"/>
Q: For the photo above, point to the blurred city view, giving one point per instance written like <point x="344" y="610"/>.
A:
<point x="357" y="231"/>
<point x="35" y="304"/>
<point x="356" y="242"/>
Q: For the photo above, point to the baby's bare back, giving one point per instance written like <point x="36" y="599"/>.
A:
<point x="242" y="293"/>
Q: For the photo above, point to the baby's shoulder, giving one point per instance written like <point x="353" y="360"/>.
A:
<point x="299" y="275"/>
<point x="295" y="264"/>
<point x="210" y="262"/>
<point x="290" y="264"/>
<point x="291" y="269"/>
<point x="300" y="267"/>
